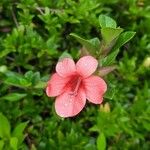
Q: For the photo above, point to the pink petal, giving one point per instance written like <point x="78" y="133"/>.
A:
<point x="66" y="67"/>
<point x="67" y="105"/>
<point x="56" y="85"/>
<point x="86" y="66"/>
<point x="95" y="87"/>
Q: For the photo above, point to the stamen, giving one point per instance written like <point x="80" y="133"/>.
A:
<point x="77" y="85"/>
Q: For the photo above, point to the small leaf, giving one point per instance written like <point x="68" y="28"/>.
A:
<point x="14" y="97"/>
<point x="124" y="38"/>
<point x="92" y="46"/>
<point x="35" y="78"/>
<point x="18" y="132"/>
<point x="106" y="21"/>
<point x="96" y="43"/>
<point x="101" y="142"/>
<point x="108" y="60"/>
<point x="110" y="34"/>
<point x="14" y="143"/>
<point x="28" y="75"/>
<point x="4" y="127"/>
<point x="105" y="70"/>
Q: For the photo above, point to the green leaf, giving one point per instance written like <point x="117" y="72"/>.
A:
<point x="32" y="77"/>
<point x="14" y="97"/>
<point x="124" y="38"/>
<point x="18" y="132"/>
<point x="16" y="80"/>
<point x="36" y="78"/>
<point x="1" y="144"/>
<point x="4" y="127"/>
<point x="14" y="143"/>
<point x="110" y="34"/>
<point x="29" y="75"/>
<point x="101" y="142"/>
<point x="106" y="21"/>
<point x="108" y="60"/>
<point x="96" y="43"/>
<point x="92" y="45"/>
<point x="40" y="85"/>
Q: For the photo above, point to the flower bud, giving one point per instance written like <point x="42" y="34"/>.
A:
<point x="146" y="62"/>
<point x="3" y="69"/>
<point x="105" y="108"/>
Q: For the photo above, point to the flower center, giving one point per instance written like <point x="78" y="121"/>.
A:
<point x="75" y="84"/>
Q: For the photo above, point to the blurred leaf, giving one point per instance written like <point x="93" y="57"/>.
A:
<point x="29" y="75"/>
<point x="14" y="143"/>
<point x="3" y="69"/>
<point x="110" y="92"/>
<point x="40" y="85"/>
<point x="101" y="142"/>
<point x="16" y="80"/>
<point x="14" y="96"/>
<point x="1" y="144"/>
<point x="106" y="21"/>
<point x="18" y="132"/>
<point x="4" y="127"/>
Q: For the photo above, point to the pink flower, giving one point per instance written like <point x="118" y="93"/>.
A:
<point x="73" y="84"/>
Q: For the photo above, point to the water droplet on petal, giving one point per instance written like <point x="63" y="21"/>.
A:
<point x="65" y="104"/>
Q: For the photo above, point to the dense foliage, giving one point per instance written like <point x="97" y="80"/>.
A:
<point x="33" y="35"/>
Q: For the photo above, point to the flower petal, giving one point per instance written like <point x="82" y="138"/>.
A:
<point x="56" y="85"/>
<point x="65" y="67"/>
<point x="67" y="105"/>
<point x="86" y="66"/>
<point x="95" y="87"/>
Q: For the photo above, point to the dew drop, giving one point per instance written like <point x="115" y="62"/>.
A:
<point x="65" y="104"/>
